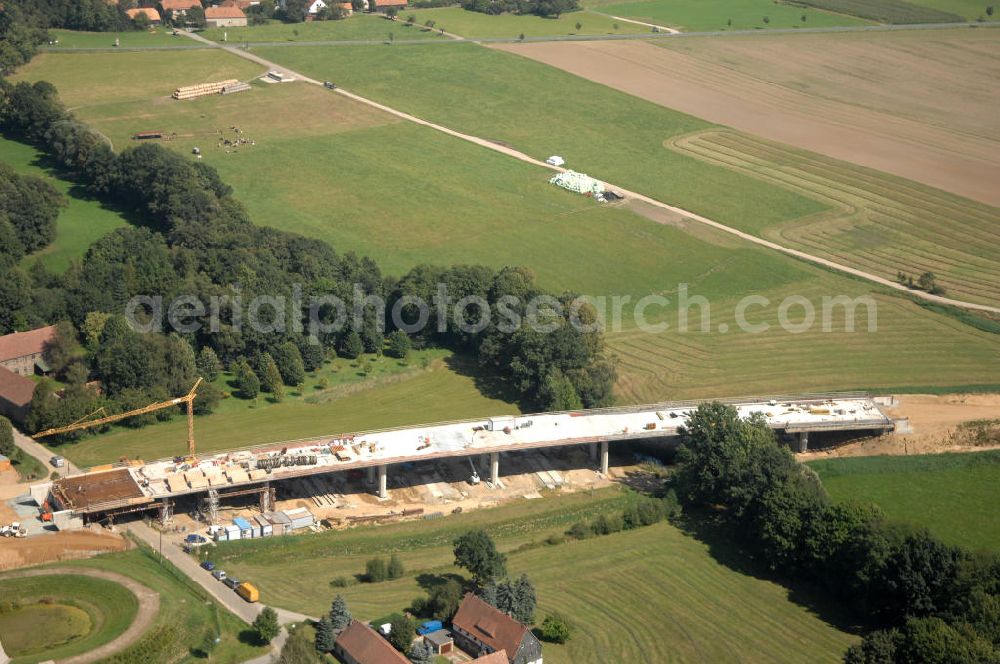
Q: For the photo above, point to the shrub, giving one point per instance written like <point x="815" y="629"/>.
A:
<point x="579" y="530"/>
<point x="343" y="582"/>
<point x="554" y="629"/>
<point x="376" y="571"/>
<point x="395" y="568"/>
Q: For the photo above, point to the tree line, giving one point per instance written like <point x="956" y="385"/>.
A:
<point x="921" y="600"/>
<point x="192" y="238"/>
<point x="545" y="8"/>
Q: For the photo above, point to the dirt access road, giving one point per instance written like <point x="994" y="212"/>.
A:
<point x="510" y="152"/>
<point x="69" y="545"/>
<point x="933" y="418"/>
<point x="149" y="607"/>
<point x="920" y="105"/>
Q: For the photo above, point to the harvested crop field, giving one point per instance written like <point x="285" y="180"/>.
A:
<point x="878" y="223"/>
<point x="920" y="104"/>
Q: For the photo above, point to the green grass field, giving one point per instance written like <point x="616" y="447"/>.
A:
<point x="61" y="615"/>
<point x="185" y="609"/>
<point x="128" y="39"/>
<point x="709" y="15"/>
<point x="360" y="27"/>
<point x="475" y="24"/>
<point x="652" y="594"/>
<point x="951" y="494"/>
<point x="80" y="223"/>
<point x="442" y="391"/>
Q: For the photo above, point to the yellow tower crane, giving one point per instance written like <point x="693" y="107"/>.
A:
<point x="85" y="423"/>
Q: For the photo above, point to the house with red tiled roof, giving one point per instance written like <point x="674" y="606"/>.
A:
<point x="242" y="4"/>
<point x="225" y="17"/>
<point x="151" y="14"/>
<point x="481" y="629"/>
<point x="174" y="8"/>
<point x="384" y="5"/>
<point x="21" y="352"/>
<point x="15" y="395"/>
<point x="360" y="644"/>
<point x="499" y="657"/>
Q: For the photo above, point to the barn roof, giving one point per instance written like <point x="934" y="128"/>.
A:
<point x="19" y="344"/>
<point x="365" y="645"/>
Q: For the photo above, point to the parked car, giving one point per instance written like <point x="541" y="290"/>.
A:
<point x="219" y="574"/>
<point x="231" y="582"/>
<point x="329" y="85"/>
<point x="195" y="538"/>
<point x="57" y="461"/>
<point x="208" y="565"/>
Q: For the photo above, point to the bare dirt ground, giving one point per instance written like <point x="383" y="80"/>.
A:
<point x="57" y="546"/>
<point x="933" y="419"/>
<point x="149" y="606"/>
<point x="917" y="105"/>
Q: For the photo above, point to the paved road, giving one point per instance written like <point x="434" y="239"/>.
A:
<point x="149" y="607"/>
<point x="36" y="450"/>
<point x="226" y="597"/>
<point x="888" y="283"/>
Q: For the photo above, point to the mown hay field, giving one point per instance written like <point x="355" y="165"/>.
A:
<point x="653" y="594"/>
<point x="951" y="494"/>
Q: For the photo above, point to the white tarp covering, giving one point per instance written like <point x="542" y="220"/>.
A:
<point x="581" y="183"/>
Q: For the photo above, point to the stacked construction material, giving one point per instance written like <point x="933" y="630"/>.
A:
<point x="580" y="183"/>
<point x="192" y="91"/>
<point x="235" y="87"/>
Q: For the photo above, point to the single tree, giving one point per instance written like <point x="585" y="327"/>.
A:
<point x="767" y="20"/>
<point x="208" y="364"/>
<point x="578" y="26"/>
<point x="421" y="653"/>
<point x="352" y="346"/>
<point x="525" y="600"/>
<point x="340" y="615"/>
<point x="375" y="570"/>
<point x="271" y="377"/>
<point x="325" y="635"/>
<point x="395" y="569"/>
<point x="246" y="380"/>
<point x="266" y="626"/>
<point x="402" y="630"/>
<point x="6" y="438"/>
<point x="399" y="344"/>
<point x="476" y="552"/>
<point x="444" y="599"/>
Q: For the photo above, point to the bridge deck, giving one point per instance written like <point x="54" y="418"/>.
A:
<point x="254" y="465"/>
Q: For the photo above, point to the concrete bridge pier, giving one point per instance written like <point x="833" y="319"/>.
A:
<point x="494" y="468"/>
<point x="604" y="457"/>
<point x="803" y="441"/>
<point x="383" y="487"/>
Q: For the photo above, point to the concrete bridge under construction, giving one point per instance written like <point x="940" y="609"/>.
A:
<point x="140" y="486"/>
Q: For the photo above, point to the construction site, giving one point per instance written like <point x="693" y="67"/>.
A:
<point x="430" y="469"/>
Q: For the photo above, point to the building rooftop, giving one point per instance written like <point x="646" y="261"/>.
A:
<point x="224" y="12"/>
<point x="488" y="624"/>
<point x="365" y="645"/>
<point x="151" y="13"/>
<point x="15" y="388"/>
<point x="20" y="344"/>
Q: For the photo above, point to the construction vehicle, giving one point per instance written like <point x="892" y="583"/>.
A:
<point x="248" y="592"/>
<point x="474" y="478"/>
<point x="13" y="530"/>
<point x="86" y="423"/>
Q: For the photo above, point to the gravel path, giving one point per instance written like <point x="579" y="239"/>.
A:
<point x="149" y="607"/>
